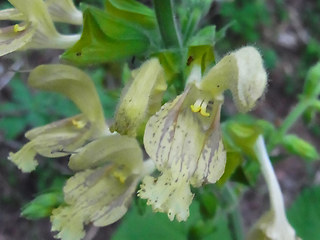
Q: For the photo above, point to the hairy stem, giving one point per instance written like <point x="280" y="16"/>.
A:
<point x="167" y="23"/>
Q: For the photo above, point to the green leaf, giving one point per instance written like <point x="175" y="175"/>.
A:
<point x="234" y="159"/>
<point x="106" y="39"/>
<point x="300" y="147"/>
<point x="115" y="28"/>
<point x="304" y="214"/>
<point x="266" y="127"/>
<point x="208" y="203"/>
<point x="42" y="205"/>
<point x="171" y="62"/>
<point x="205" y="36"/>
<point x="251" y="171"/>
<point x="241" y="136"/>
<point x="157" y="226"/>
<point x="190" y="13"/>
<point x="200" y="230"/>
<point x="221" y="34"/>
<point x="133" y="11"/>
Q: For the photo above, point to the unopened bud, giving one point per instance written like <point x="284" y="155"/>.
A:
<point x="300" y="147"/>
<point x="312" y="84"/>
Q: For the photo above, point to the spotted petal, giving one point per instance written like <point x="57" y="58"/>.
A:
<point x="186" y="148"/>
<point x="96" y="196"/>
<point x="177" y="138"/>
<point x="167" y="195"/>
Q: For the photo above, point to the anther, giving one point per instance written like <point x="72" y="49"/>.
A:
<point x="200" y="106"/>
<point x="120" y="176"/>
<point x="78" y="124"/>
<point x="203" y="111"/>
<point x="196" y="107"/>
<point x="17" y="28"/>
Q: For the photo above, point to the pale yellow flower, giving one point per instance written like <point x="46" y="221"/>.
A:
<point x="184" y="137"/>
<point x="62" y="137"/>
<point x="109" y="171"/>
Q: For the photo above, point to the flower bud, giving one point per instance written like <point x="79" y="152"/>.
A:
<point x="141" y="98"/>
<point x="312" y="84"/>
<point x="300" y="147"/>
<point x="42" y="205"/>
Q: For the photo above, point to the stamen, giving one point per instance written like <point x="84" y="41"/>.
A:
<point x="203" y="111"/>
<point x="17" y="28"/>
<point x="78" y="124"/>
<point x="201" y="106"/>
<point x="196" y="107"/>
<point x="120" y="176"/>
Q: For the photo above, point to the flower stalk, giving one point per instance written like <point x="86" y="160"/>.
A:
<point x="290" y="120"/>
<point x="167" y="23"/>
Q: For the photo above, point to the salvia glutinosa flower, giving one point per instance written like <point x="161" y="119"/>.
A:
<point x="108" y="167"/>
<point x="62" y="137"/>
<point x="36" y="29"/>
<point x="141" y="98"/>
<point x="184" y="137"/>
<point x="109" y="170"/>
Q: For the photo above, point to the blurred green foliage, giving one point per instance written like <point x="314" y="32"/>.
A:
<point x="304" y="214"/>
<point x="157" y="226"/>
<point x="249" y="16"/>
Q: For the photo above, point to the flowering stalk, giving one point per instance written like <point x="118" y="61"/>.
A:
<point x="167" y="24"/>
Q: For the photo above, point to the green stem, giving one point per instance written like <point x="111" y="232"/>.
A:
<point x="293" y="116"/>
<point x="234" y="217"/>
<point x="167" y="24"/>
